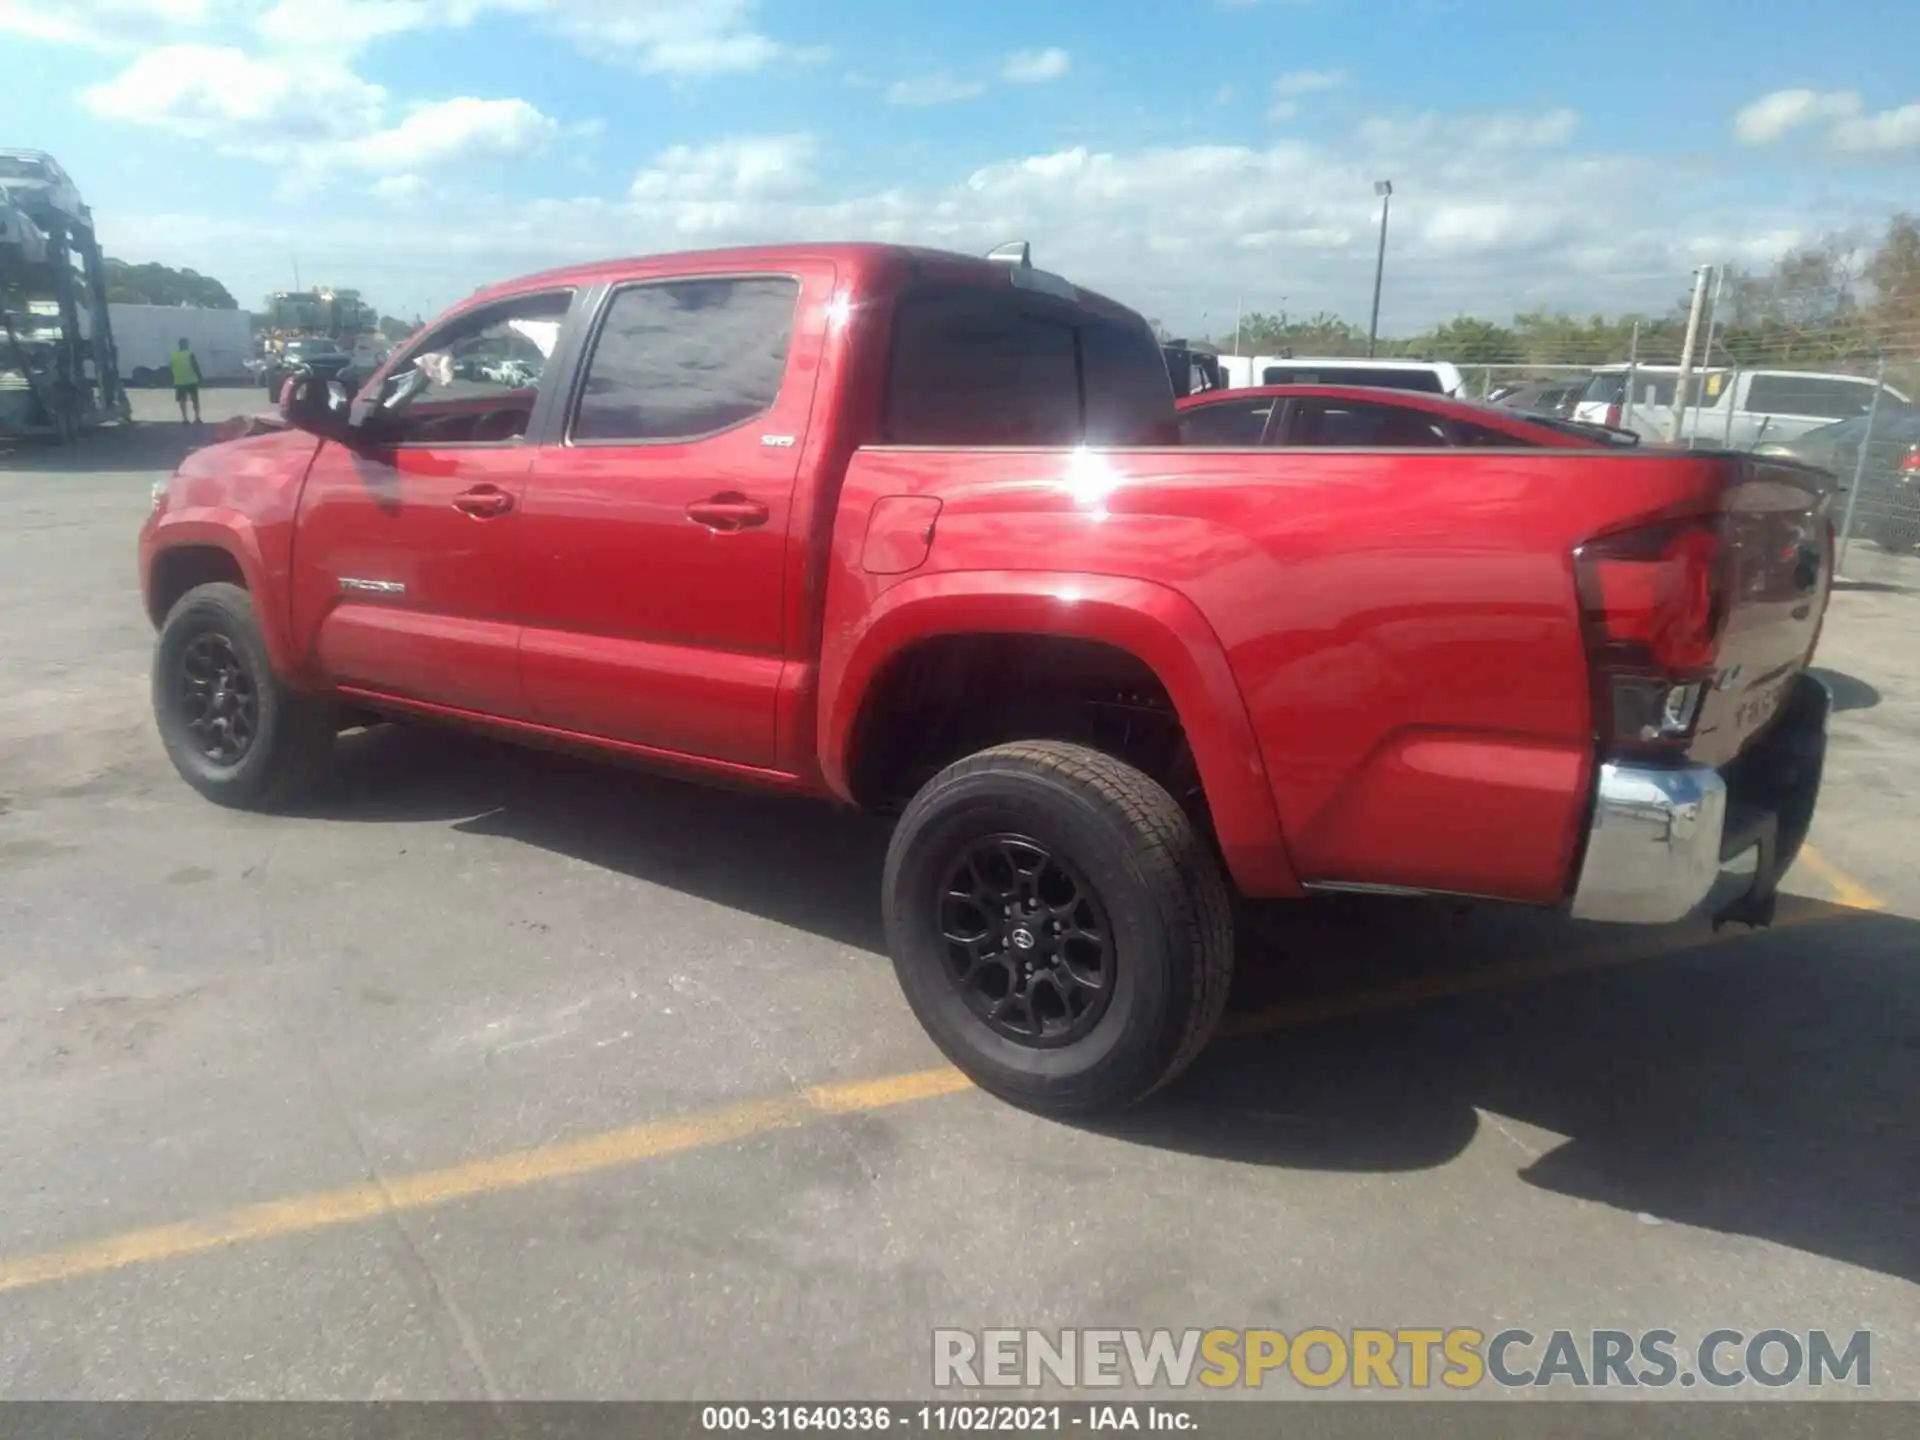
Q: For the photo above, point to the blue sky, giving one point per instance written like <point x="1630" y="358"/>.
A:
<point x="1185" y="156"/>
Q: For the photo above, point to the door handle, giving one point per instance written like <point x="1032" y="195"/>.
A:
<point x="483" y="502"/>
<point x="729" y="510"/>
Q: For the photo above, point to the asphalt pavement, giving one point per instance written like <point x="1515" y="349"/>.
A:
<point x="493" y="1074"/>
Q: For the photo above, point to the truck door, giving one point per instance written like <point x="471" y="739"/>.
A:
<point x="660" y="540"/>
<point x="405" y="556"/>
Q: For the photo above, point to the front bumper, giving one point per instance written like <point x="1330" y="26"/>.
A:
<point x="1665" y="843"/>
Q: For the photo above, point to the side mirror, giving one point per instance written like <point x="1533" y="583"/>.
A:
<point x="311" y="404"/>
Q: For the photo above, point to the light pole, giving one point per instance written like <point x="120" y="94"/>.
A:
<point x="1384" y="189"/>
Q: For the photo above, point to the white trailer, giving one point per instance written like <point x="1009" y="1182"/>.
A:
<point x="145" y="335"/>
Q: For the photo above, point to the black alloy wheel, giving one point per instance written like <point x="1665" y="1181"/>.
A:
<point x="1028" y="943"/>
<point x="232" y="728"/>
<point x="218" y="699"/>
<point x="1058" y="924"/>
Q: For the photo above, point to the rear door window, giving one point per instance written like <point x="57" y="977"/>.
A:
<point x="1231" y="422"/>
<point x="1363" y="425"/>
<point x="1481" y="437"/>
<point x="687" y="358"/>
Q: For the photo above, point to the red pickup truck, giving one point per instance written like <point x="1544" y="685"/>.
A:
<point x="915" y="531"/>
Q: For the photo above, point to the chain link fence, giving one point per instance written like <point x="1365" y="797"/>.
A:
<point x="1854" y="415"/>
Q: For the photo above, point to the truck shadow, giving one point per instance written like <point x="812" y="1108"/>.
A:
<point x="1849" y="693"/>
<point x="1762" y="1086"/>
<point x="794" y="861"/>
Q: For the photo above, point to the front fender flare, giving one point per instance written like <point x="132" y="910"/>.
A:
<point x="1157" y="625"/>
<point x="219" y="528"/>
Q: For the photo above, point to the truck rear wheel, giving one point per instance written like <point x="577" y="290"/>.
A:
<point x="232" y="729"/>
<point x="1058" y="926"/>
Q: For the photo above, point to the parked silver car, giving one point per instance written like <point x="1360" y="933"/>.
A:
<point x="1888" y="508"/>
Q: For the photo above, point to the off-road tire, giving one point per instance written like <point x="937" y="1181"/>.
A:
<point x="292" y="733"/>
<point x="1155" y="877"/>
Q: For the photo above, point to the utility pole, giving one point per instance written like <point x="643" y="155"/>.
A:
<point x="1682" y="380"/>
<point x="1631" y="377"/>
<point x="1239" y="310"/>
<point x="1706" y="353"/>
<point x="1384" y="189"/>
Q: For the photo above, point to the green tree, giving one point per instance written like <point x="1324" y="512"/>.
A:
<point x="1468" y="340"/>
<point x="154" y="284"/>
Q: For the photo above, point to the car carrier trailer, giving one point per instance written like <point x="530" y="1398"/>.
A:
<point x="59" y="375"/>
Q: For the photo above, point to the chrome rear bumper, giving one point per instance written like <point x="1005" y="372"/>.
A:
<point x="1665" y="843"/>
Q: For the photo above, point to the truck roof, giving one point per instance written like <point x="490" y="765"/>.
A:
<point x="863" y="265"/>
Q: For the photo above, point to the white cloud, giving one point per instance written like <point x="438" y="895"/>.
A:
<point x="1887" y="131"/>
<point x="662" y="37"/>
<point x="103" y="24"/>
<point x="741" y="168"/>
<point x="311" y="113"/>
<point x="932" y="90"/>
<point x="1309" y="82"/>
<point x="1032" y="67"/>
<point x="1849" y="126"/>
<point x="1481" y="224"/>
<point x="1772" y="117"/>
<point x="670" y="37"/>
<point x="242" y="103"/>
<point x="400" y="187"/>
<point x="462" y="130"/>
<point x="347" y="25"/>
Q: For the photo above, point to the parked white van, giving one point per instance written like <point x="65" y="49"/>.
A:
<point x="1427" y="377"/>
<point x="1734" y="408"/>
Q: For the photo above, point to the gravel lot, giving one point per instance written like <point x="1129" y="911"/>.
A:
<point x="570" y="1082"/>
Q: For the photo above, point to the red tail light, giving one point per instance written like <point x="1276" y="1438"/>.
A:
<point x="1910" y="462"/>
<point x="1654" y="606"/>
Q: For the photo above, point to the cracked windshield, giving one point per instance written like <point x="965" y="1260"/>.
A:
<point x="731" y="716"/>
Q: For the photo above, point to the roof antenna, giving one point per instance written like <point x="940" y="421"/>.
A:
<point x="1016" y="253"/>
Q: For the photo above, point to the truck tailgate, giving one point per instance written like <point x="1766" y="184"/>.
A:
<point x="1780" y="568"/>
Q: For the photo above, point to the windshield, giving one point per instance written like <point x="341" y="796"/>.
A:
<point x="17" y="167"/>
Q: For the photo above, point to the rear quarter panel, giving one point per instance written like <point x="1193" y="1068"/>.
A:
<point x="1399" y="631"/>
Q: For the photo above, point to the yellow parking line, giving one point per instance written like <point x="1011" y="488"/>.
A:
<point x="1846" y="890"/>
<point x="656" y="1138"/>
<point x="512" y="1171"/>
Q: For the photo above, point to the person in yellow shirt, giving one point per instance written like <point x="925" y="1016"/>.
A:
<point x="186" y="380"/>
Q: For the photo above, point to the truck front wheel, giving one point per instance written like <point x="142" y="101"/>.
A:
<point x="232" y="729"/>
<point x="1058" y="926"/>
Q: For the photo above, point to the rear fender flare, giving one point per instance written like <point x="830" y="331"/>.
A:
<point x="1157" y="625"/>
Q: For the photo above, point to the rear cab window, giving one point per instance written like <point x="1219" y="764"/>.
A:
<point x="975" y="364"/>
